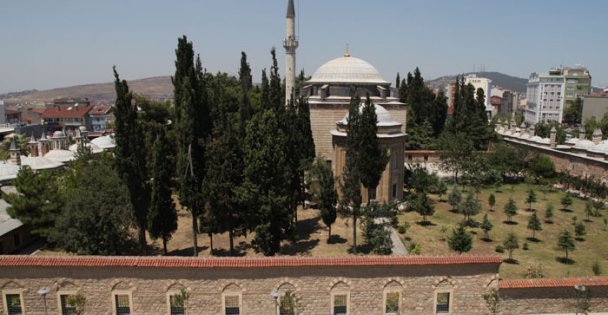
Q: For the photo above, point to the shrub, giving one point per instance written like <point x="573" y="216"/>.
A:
<point x="402" y="230"/>
<point x="525" y="246"/>
<point x="597" y="268"/>
<point x="500" y="249"/>
<point x="415" y="249"/>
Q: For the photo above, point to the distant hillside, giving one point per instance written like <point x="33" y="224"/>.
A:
<point x="503" y="80"/>
<point x="154" y="88"/>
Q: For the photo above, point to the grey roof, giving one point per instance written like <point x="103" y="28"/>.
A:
<point x="7" y="224"/>
<point x="13" y="145"/>
<point x="291" y="11"/>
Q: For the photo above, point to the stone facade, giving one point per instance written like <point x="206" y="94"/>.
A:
<point x="364" y="280"/>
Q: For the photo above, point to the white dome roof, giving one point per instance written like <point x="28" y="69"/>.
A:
<point x="384" y="117"/>
<point x="104" y="142"/>
<point x="8" y="171"/>
<point x="60" y="156"/>
<point x="39" y="163"/>
<point x="347" y="70"/>
<point x="602" y="147"/>
<point x="584" y="144"/>
<point x="572" y="141"/>
<point x="94" y="148"/>
<point x="58" y="134"/>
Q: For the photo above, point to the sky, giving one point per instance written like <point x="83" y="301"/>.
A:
<point x="49" y="44"/>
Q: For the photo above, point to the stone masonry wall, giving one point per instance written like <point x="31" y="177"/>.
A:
<point x="560" y="300"/>
<point x="313" y="285"/>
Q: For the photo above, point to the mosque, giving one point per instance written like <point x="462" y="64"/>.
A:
<point x="328" y="93"/>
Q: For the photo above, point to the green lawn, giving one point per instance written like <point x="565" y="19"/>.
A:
<point x="543" y="253"/>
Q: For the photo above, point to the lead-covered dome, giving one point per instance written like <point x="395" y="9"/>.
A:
<point x="384" y="117"/>
<point x="347" y="70"/>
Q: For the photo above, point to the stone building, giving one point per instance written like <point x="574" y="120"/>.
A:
<point x="391" y="136"/>
<point x="321" y="285"/>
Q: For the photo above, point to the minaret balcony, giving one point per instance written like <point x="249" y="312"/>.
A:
<point x="291" y="43"/>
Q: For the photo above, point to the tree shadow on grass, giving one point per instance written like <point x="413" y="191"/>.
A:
<point x="302" y="247"/>
<point x="221" y="252"/>
<point x="510" y="222"/>
<point x="186" y="251"/>
<point x="364" y="249"/>
<point x="307" y="227"/>
<point x="564" y="260"/>
<point x="566" y="210"/>
<point x="426" y="223"/>
<point x="511" y="261"/>
<point x="580" y="239"/>
<point x="336" y="239"/>
<point x="487" y="240"/>
<point x="533" y="239"/>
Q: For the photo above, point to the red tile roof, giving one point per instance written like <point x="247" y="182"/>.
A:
<point x="552" y="282"/>
<point x="100" y="110"/>
<point x="240" y="262"/>
<point x="73" y="112"/>
<point x="11" y="112"/>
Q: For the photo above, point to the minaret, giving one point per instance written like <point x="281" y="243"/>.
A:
<point x="291" y="44"/>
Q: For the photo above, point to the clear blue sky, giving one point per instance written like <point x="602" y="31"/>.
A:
<point x="46" y="44"/>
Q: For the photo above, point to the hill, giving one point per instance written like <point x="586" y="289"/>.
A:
<point x="503" y="80"/>
<point x="154" y="88"/>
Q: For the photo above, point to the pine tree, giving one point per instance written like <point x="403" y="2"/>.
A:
<point x="162" y="217"/>
<point x="245" y="81"/>
<point x="491" y="201"/>
<point x="549" y="213"/>
<point x="192" y="127"/>
<point x="534" y="225"/>
<point x="324" y="192"/>
<point x="469" y="207"/>
<point x="486" y="226"/>
<point x="455" y="197"/>
<point x="531" y="198"/>
<point x="580" y="231"/>
<point x="511" y="243"/>
<point x="423" y="206"/>
<point x="276" y="94"/>
<point x="565" y="241"/>
<point x="460" y="241"/>
<point x="131" y="157"/>
<point x="510" y="209"/>
<point x="566" y="201"/>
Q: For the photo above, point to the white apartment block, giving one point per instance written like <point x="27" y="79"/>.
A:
<point x="545" y="97"/>
<point x="481" y="83"/>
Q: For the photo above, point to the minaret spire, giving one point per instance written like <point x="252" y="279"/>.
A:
<point x="291" y="44"/>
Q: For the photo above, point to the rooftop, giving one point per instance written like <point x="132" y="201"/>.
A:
<point x="553" y="282"/>
<point x="347" y="69"/>
<point x="71" y="112"/>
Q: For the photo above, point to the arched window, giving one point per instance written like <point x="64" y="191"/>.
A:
<point x="340" y="299"/>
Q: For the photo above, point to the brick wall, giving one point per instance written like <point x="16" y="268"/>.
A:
<point x="365" y="285"/>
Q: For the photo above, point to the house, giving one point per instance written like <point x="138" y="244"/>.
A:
<point x="66" y="118"/>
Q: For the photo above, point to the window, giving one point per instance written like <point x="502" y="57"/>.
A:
<point x="287" y="304"/>
<point x="13" y="304"/>
<point x="232" y="305"/>
<point x="391" y="303"/>
<point x="340" y="304"/>
<point x="176" y="304"/>
<point x="443" y="302"/>
<point x="67" y="308"/>
<point x="122" y="304"/>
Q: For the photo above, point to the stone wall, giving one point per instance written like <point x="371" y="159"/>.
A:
<point x="364" y="284"/>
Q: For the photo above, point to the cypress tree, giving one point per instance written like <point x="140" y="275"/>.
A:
<point x="325" y="192"/>
<point x="276" y="92"/>
<point x="131" y="157"/>
<point x="265" y="93"/>
<point x="192" y="127"/>
<point x="246" y="84"/>
<point x="162" y="218"/>
<point x="372" y="156"/>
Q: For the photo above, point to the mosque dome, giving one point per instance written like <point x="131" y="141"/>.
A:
<point x="584" y="144"/>
<point x="60" y="156"/>
<point x="349" y="70"/>
<point x="384" y="117"/>
<point x="104" y="142"/>
<point x="58" y="134"/>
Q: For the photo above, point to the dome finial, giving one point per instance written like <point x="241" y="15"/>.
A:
<point x="347" y="53"/>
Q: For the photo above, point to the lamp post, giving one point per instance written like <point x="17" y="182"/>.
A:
<point x="275" y="295"/>
<point x="580" y="294"/>
<point x="43" y="292"/>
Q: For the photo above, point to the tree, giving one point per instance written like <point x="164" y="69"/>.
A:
<point x="510" y="209"/>
<point x="589" y="209"/>
<point x="573" y="113"/>
<point x="455" y="151"/>
<point x="542" y="167"/>
<point x="486" y="226"/>
<point x="162" y="217"/>
<point x="549" y="213"/>
<point x="351" y="188"/>
<point x="566" y="201"/>
<point x="267" y="178"/>
<point x="492" y="301"/>
<point x="580" y="231"/>
<point x="491" y="201"/>
<point x="38" y="201"/>
<point x="324" y="192"/>
<point x="423" y="206"/>
<point x="97" y="214"/>
<point x="534" y="224"/>
<point x="192" y="127"/>
<point x="131" y="157"/>
<point x="531" y="198"/>
<point x="376" y="231"/>
<point x="598" y="206"/>
<point x="442" y="189"/>
<point x="511" y="243"/>
<point x="372" y="156"/>
<point x="469" y="207"/>
<point x="460" y="241"/>
<point x="454" y="197"/>
<point x="245" y="80"/>
<point x="565" y="241"/>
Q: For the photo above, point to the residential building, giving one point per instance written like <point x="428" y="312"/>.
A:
<point x="12" y="116"/>
<point x="545" y="95"/>
<point x="595" y="105"/>
<point x="578" y="83"/>
<point x="481" y="83"/>
<point x="66" y="118"/>
<point x="101" y="116"/>
<point x="2" y="113"/>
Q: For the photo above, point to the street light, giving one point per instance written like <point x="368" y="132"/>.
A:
<point x="43" y="292"/>
<point x="580" y="294"/>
